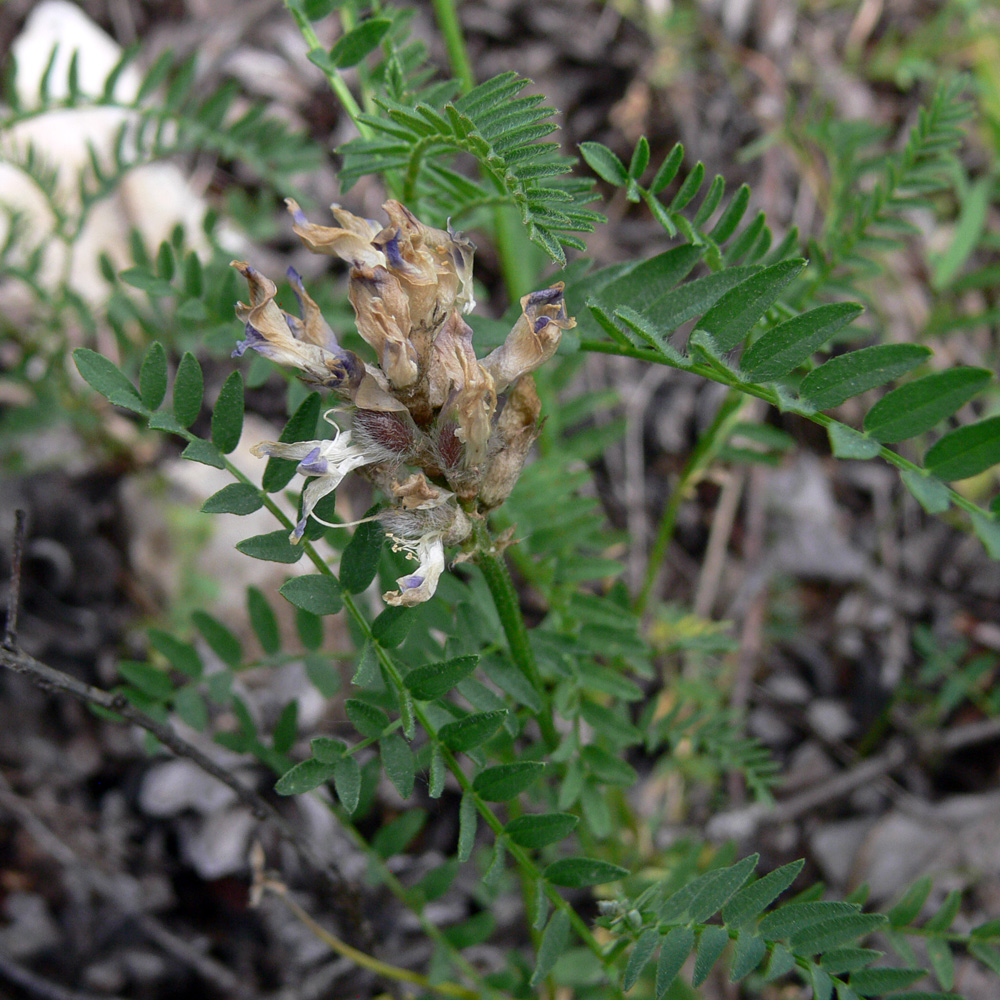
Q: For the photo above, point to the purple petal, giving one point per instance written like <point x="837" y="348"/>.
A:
<point x="391" y="250"/>
<point x="313" y="465"/>
<point x="254" y="341"/>
<point x="410" y="582"/>
<point x="541" y="323"/>
<point x="545" y="297"/>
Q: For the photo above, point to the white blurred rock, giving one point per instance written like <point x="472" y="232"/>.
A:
<point x="830" y="719"/>
<point x="173" y="786"/>
<point x="218" y="846"/>
<point x="153" y="198"/>
<point x="955" y="841"/>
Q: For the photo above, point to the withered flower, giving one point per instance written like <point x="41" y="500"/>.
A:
<point x="428" y="404"/>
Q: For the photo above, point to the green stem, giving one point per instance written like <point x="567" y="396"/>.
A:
<point x="337" y="84"/>
<point x="518" y="255"/>
<point x="701" y="457"/>
<point x="771" y="397"/>
<point x="509" y="609"/>
<point x="454" y="43"/>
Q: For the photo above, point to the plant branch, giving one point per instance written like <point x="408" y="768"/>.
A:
<point x="730" y="379"/>
<point x="509" y="609"/>
<point x="336" y="81"/>
<point x="360" y="958"/>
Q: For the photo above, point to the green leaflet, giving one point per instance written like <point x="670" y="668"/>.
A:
<point x="153" y="376"/>
<point x="711" y="942"/>
<point x="506" y="781"/>
<point x="641" y="954"/>
<point x="436" y="679"/>
<point x="783" y="348"/>
<point x="749" y="953"/>
<point x="351" y="48"/>
<point x="604" y="163"/>
<point x="227" y="417"/>
<point x="189" y="386"/>
<point x="851" y="374"/>
<point x="691" y="299"/>
<point x="472" y="731"/>
<point x="223" y="643"/>
<point x="574" y="873"/>
<point x="368" y="720"/>
<point x="676" y="947"/>
<point x="930" y="493"/>
<point x="273" y="547"/>
<point x="540" y="829"/>
<point x="467" y="821"/>
<point x="398" y="763"/>
<point x="105" y="377"/>
<point x="181" y="656"/>
<point x="739" y="310"/>
<point x="301" y="426"/>
<point x="318" y="594"/>
<point x="555" y="940"/>
<point x="304" y="777"/>
<point x="917" y="406"/>
<point x="147" y="678"/>
<point x="965" y="452"/>
<point x="236" y="498"/>
<point x="867" y="982"/>
<point x="753" y="899"/>
<point x="360" y="558"/>
<point x="793" y="917"/>
<point x="347" y="782"/>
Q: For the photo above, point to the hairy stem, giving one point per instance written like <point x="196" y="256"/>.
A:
<point x="337" y="84"/>
<point x="509" y="609"/>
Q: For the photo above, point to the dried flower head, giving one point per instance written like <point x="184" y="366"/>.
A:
<point x="428" y="404"/>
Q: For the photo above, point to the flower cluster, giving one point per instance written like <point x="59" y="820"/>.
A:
<point x="443" y="434"/>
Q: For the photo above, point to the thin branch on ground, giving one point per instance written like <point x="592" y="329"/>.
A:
<point x="36" y="986"/>
<point x="109" y="889"/>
